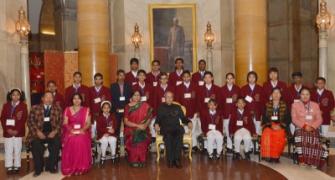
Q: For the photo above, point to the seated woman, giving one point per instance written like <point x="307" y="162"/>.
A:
<point x="106" y="125"/>
<point x="137" y="117"/>
<point x="274" y="123"/>
<point x="306" y="116"/>
<point x="76" y="152"/>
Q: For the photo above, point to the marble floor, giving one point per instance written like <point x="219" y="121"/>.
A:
<point x="200" y="168"/>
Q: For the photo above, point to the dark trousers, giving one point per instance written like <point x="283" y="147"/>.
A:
<point x="119" y="118"/>
<point x="173" y="144"/>
<point x="38" y="149"/>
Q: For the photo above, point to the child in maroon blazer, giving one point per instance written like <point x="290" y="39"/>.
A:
<point x="213" y="128"/>
<point x="242" y="126"/>
<point x="13" y="119"/>
<point x="106" y="126"/>
<point x="325" y="99"/>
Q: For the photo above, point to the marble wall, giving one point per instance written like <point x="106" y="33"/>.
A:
<point x="218" y="12"/>
<point x="331" y="48"/>
<point x="10" y="72"/>
<point x="292" y="38"/>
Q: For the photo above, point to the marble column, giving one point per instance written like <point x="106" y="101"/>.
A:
<point x="93" y="39"/>
<point x="24" y="58"/>
<point x="323" y="53"/>
<point x="250" y="39"/>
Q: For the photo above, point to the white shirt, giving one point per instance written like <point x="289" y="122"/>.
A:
<point x="164" y="86"/>
<point x="17" y="103"/>
<point x="252" y="86"/>
<point x="106" y="115"/>
<point x="274" y="83"/>
<point x="179" y="72"/>
<point x="230" y="87"/>
<point x="76" y="86"/>
<point x="47" y="106"/>
<point x="187" y="84"/>
<point x="241" y="111"/>
<point x="141" y="85"/>
<point x="212" y="112"/>
<point x="97" y="89"/>
<point x="297" y="88"/>
<point x="320" y="91"/>
<point x="208" y="86"/>
<point x="134" y="73"/>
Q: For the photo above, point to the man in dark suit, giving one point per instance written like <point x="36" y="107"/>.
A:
<point x="45" y="122"/>
<point x="121" y="94"/>
<point x="168" y="123"/>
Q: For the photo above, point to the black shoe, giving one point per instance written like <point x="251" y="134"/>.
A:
<point x="53" y="171"/>
<point x="9" y="170"/>
<point x="36" y="174"/>
<point x="229" y="151"/>
<point x="178" y="164"/>
<point x="236" y="156"/>
<point x="170" y="164"/>
<point x="210" y="156"/>
<point x="102" y="162"/>
<point x="276" y="160"/>
<point x="195" y="149"/>
<point x="247" y="155"/>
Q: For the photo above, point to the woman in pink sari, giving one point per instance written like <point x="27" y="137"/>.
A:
<point x="137" y="117"/>
<point x="76" y="151"/>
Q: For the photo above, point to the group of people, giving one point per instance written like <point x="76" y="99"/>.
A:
<point x="148" y="103"/>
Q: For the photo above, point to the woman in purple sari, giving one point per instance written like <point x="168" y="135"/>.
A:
<point x="137" y="117"/>
<point x="76" y="151"/>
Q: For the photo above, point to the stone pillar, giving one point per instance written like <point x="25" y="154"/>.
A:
<point x="250" y="39"/>
<point x="93" y="39"/>
<point x="323" y="53"/>
<point x="24" y="58"/>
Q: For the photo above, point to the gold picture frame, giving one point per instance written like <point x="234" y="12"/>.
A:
<point x="192" y="6"/>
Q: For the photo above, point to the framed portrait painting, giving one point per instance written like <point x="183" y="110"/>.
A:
<point x="173" y="35"/>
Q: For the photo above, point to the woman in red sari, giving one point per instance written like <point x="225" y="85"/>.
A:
<point x="76" y="151"/>
<point x="137" y="117"/>
<point x="274" y="122"/>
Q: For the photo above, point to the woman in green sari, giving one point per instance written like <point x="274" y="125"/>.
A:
<point x="137" y="117"/>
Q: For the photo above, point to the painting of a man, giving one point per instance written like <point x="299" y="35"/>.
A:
<point x="176" y="40"/>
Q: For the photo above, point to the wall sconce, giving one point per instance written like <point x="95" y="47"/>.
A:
<point x="136" y="38"/>
<point x="324" y="23"/>
<point x="209" y="36"/>
<point x="22" y="25"/>
<point x="324" y="18"/>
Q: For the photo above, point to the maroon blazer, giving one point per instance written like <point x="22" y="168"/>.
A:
<point x="131" y="79"/>
<point x="104" y="95"/>
<point x="102" y="124"/>
<point x="146" y="91"/>
<point x="196" y="77"/>
<point x="326" y="104"/>
<point x="188" y="102"/>
<point x="203" y="93"/>
<point x="291" y="95"/>
<point x="152" y="80"/>
<point x="83" y="90"/>
<point x="158" y="96"/>
<point x="267" y="88"/>
<point x="173" y="78"/>
<point x="20" y="116"/>
<point x="59" y="100"/>
<point x="225" y="103"/>
<point x="247" y="121"/>
<point x="206" y="119"/>
<point x="256" y="107"/>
